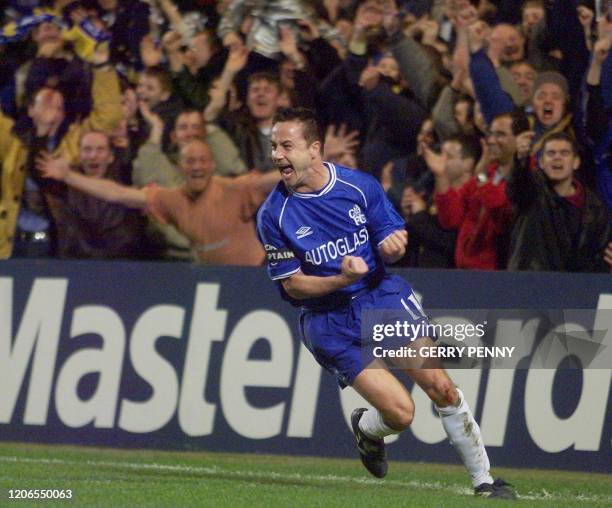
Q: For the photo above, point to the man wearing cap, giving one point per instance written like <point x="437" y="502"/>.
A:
<point x="550" y="101"/>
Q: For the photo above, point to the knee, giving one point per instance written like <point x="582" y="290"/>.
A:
<point x="400" y="416"/>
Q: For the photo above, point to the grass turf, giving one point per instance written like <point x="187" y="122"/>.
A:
<point x="134" y="478"/>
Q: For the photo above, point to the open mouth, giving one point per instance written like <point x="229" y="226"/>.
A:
<point x="261" y="104"/>
<point x="511" y="49"/>
<point x="285" y="169"/>
<point x="547" y="112"/>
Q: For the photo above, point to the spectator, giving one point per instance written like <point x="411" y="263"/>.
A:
<point x="479" y="210"/>
<point x="429" y="245"/>
<point x="524" y="75"/>
<point x="205" y="57"/>
<point x="550" y="100"/>
<point x="597" y="114"/>
<point x="373" y="72"/>
<point x="507" y="44"/>
<point x="560" y="224"/>
<point x="295" y="75"/>
<point x="215" y="213"/>
<point x="27" y="203"/>
<point x="388" y="106"/>
<point x="267" y="17"/>
<point x="412" y="169"/>
<point x="250" y="127"/>
<point x="130" y="134"/>
<point x="532" y="13"/>
<point x="128" y="22"/>
<point x="154" y="166"/>
<point x="494" y="86"/>
<point x="550" y="105"/>
<point x="155" y="90"/>
<point x="54" y="64"/>
<point x="88" y="227"/>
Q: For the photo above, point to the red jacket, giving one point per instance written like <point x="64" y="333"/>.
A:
<point x="483" y="214"/>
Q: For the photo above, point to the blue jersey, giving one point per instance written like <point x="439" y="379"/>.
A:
<point x="312" y="232"/>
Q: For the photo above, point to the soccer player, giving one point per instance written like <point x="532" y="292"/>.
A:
<point x="328" y="230"/>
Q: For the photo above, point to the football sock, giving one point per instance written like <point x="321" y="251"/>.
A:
<point x="464" y="434"/>
<point x="373" y="425"/>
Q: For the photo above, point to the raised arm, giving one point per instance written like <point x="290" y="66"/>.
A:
<point x="106" y="113"/>
<point x="152" y="165"/>
<point x="521" y="186"/>
<point x="489" y="92"/>
<point x="301" y="286"/>
<point x="229" y="25"/>
<point x="235" y="62"/>
<point x="101" y="188"/>
<point x="596" y="113"/>
<point x="416" y="67"/>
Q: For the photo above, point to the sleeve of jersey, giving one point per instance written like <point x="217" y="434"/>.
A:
<point x="280" y="259"/>
<point x="382" y="217"/>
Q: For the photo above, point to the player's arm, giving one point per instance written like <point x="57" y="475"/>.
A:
<point x="101" y="188"/>
<point x="301" y="286"/>
<point x="393" y="247"/>
<point x="386" y="227"/>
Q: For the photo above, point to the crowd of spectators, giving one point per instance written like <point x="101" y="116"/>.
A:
<point x="487" y="122"/>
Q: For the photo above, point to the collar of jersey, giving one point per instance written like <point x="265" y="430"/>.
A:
<point x="332" y="180"/>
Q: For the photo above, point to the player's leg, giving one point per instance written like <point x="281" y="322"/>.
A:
<point x="392" y="413"/>
<point x="458" y="422"/>
<point x="393" y="403"/>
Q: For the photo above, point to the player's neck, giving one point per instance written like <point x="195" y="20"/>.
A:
<point x="317" y="178"/>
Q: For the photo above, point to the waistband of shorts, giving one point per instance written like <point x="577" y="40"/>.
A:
<point x="339" y="300"/>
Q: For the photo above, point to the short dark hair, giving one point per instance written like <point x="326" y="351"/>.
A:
<point x="532" y="3"/>
<point x="470" y="102"/>
<point x="561" y="136"/>
<point x="470" y="145"/>
<point x="187" y="111"/>
<point x="524" y="61"/>
<point x="270" y="77"/>
<point x="101" y="133"/>
<point x="162" y="75"/>
<point x="520" y="121"/>
<point x="307" y="117"/>
<point x="213" y="39"/>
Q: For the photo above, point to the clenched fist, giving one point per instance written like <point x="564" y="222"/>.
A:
<point x="353" y="267"/>
<point x="394" y="246"/>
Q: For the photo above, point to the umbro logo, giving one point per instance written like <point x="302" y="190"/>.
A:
<point x="304" y="231"/>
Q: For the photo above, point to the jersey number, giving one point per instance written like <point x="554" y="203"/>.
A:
<point x="413" y="307"/>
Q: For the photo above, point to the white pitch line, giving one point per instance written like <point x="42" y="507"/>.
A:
<point x="271" y="475"/>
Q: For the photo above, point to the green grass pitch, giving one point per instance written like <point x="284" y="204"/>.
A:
<point x="135" y="478"/>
